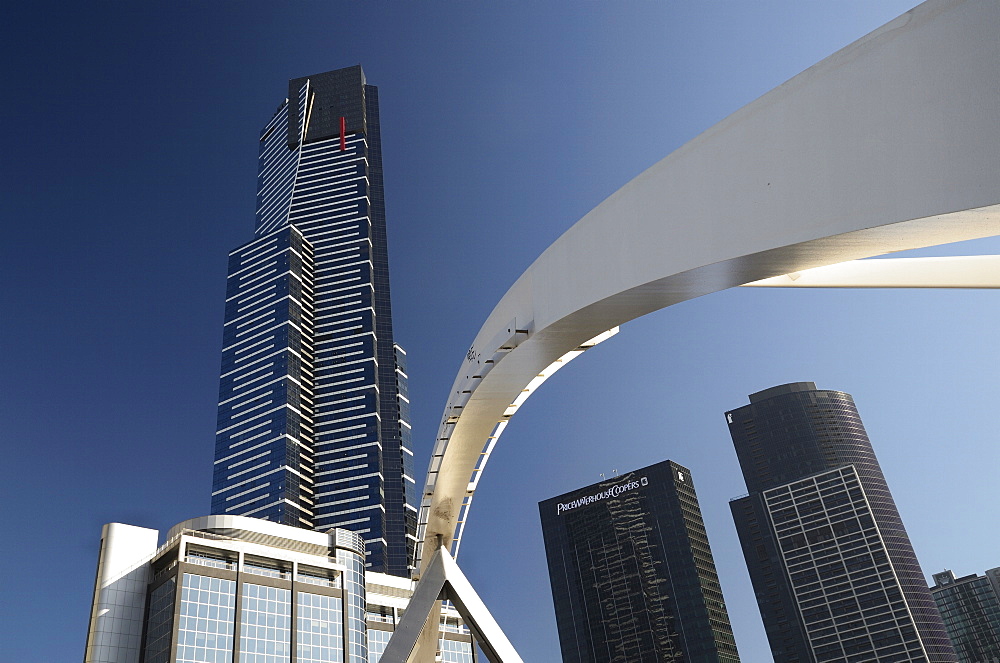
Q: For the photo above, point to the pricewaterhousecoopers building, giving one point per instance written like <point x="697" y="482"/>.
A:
<point x="633" y="578"/>
<point x="313" y="425"/>
<point x="835" y="575"/>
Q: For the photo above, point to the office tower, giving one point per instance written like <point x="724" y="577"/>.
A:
<point x="313" y="413"/>
<point x="835" y="575"/>
<point x="970" y="608"/>
<point x="632" y="575"/>
<point x="994" y="577"/>
<point x="243" y="590"/>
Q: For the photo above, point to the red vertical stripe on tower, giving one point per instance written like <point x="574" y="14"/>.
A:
<point x="343" y="135"/>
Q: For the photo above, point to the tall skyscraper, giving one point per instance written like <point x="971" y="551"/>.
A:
<point x="970" y="608"/>
<point x="632" y="575"/>
<point x="313" y="431"/>
<point x="835" y="575"/>
<point x="313" y="424"/>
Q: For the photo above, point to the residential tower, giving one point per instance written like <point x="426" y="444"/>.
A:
<point x="835" y="575"/>
<point x="313" y="426"/>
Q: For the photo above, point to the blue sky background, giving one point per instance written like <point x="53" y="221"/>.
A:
<point x="129" y="172"/>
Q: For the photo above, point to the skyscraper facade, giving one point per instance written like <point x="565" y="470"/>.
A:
<point x="970" y="608"/>
<point x="835" y="575"/>
<point x="632" y="574"/>
<point x="313" y="426"/>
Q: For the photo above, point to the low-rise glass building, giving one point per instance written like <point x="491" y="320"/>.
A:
<point x="233" y="589"/>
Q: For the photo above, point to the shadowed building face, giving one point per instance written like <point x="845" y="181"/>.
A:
<point x="832" y="567"/>
<point x="632" y="574"/>
<point x="970" y="608"/>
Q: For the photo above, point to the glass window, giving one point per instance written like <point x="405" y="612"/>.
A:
<point x="319" y="629"/>
<point x="265" y="626"/>
<point x="207" y="613"/>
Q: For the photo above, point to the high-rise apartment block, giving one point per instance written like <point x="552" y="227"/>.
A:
<point x="313" y="424"/>
<point x="232" y="589"/>
<point x="835" y="575"/>
<point x="970" y="608"/>
<point x="632" y="575"/>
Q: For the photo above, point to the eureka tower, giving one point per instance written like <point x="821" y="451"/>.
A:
<point x="313" y="416"/>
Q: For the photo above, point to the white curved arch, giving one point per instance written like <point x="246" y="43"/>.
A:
<point x="892" y="143"/>
<point x="973" y="272"/>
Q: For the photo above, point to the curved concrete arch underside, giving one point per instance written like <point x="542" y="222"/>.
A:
<point x="892" y="143"/>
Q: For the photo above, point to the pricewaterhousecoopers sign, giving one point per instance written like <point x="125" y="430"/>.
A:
<point x="614" y="491"/>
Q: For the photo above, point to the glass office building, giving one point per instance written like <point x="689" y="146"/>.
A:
<point x="835" y="575"/>
<point x="232" y="589"/>
<point x="632" y="574"/>
<point x="970" y="608"/>
<point x="313" y="426"/>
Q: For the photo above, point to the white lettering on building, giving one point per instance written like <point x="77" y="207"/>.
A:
<point x="614" y="491"/>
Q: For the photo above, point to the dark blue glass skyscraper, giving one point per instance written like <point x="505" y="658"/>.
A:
<point x="313" y="424"/>
<point x="632" y="575"/>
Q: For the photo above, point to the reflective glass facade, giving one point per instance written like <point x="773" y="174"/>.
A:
<point x="238" y="589"/>
<point x="160" y="622"/>
<point x="205" y="627"/>
<point x="313" y="426"/>
<point x="260" y="598"/>
<point x="377" y="642"/>
<point x="320" y="621"/>
<point x="787" y="439"/>
<point x="265" y="624"/>
<point x="355" y="608"/>
<point x="262" y="467"/>
<point x="632" y="574"/>
<point x="970" y="608"/>
<point x="848" y="595"/>
<point x="455" y="651"/>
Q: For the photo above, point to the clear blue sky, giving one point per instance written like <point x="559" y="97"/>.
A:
<point x="129" y="172"/>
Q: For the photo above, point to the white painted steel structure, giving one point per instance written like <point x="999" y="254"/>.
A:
<point x="943" y="272"/>
<point x="892" y="143"/>
<point x="415" y="640"/>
